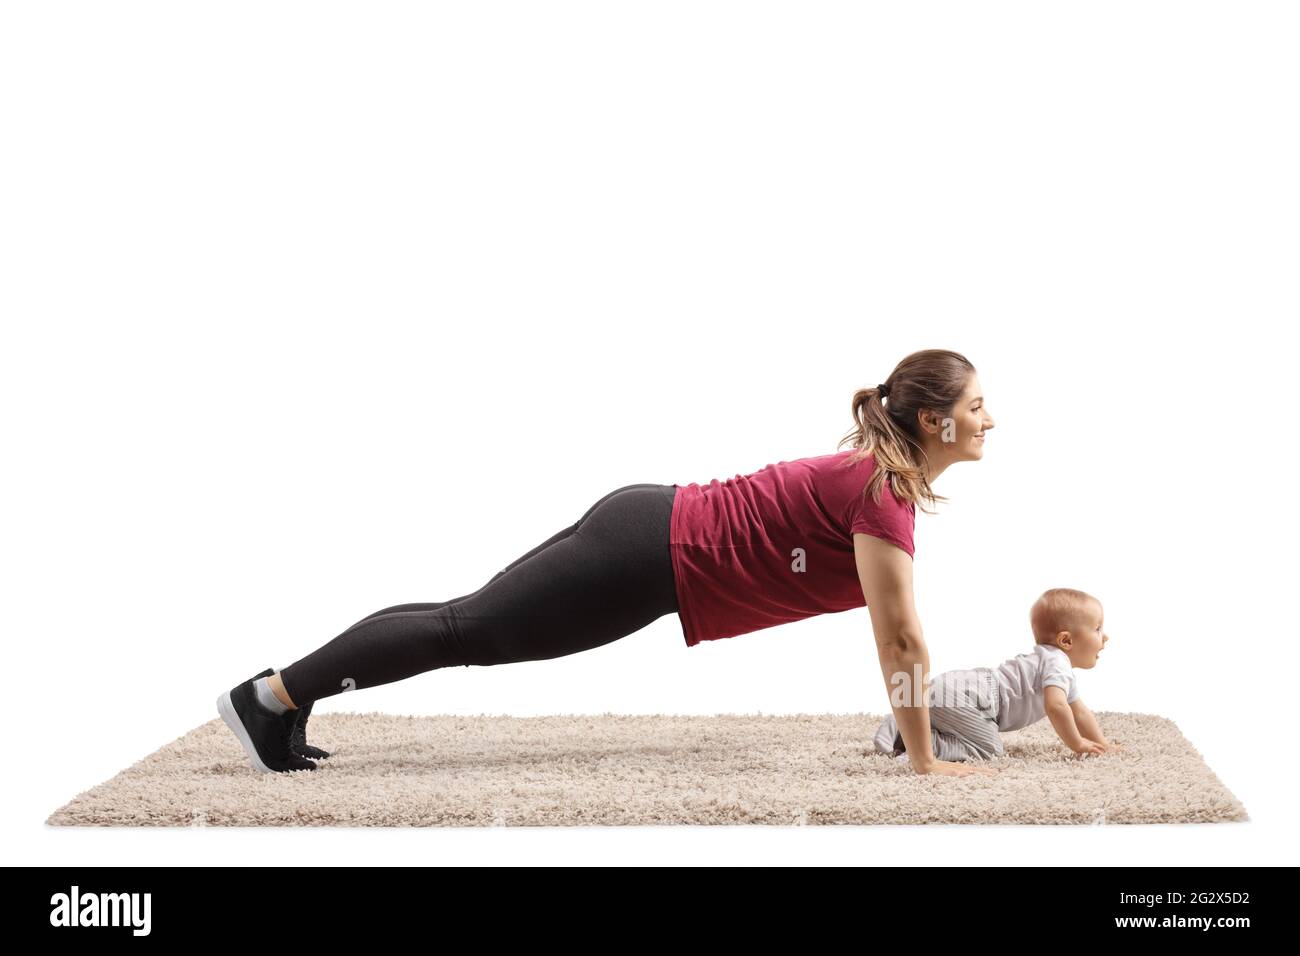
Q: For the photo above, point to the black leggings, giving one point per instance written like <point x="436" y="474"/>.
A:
<point x="602" y="578"/>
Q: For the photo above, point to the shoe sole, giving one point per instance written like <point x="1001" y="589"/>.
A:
<point x="226" y="708"/>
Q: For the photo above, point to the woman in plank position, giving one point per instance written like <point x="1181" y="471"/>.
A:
<point x="795" y="539"/>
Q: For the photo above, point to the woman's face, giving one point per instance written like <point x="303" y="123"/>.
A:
<point x="970" y="421"/>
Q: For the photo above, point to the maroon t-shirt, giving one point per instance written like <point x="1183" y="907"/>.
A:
<point x="776" y="545"/>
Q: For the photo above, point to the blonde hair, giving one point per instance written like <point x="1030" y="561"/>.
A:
<point x="886" y="426"/>
<point x="1056" y="610"/>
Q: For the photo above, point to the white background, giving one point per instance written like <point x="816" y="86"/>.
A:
<point x="314" y="308"/>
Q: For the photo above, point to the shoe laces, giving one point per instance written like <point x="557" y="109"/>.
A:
<point x="298" y="736"/>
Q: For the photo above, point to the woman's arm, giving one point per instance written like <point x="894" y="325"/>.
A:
<point x="885" y="571"/>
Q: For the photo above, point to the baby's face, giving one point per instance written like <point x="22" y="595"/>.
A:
<point x="1088" y="636"/>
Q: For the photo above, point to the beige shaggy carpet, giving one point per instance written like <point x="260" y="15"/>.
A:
<point x="575" y="770"/>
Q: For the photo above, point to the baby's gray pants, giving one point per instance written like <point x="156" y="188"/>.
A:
<point x="963" y="718"/>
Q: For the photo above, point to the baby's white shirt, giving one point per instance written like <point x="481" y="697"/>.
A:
<point x="1021" y="681"/>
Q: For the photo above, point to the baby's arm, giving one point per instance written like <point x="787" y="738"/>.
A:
<point x="1062" y="717"/>
<point x="1087" y="724"/>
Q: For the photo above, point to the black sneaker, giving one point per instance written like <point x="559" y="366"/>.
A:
<point x="299" y="739"/>
<point x="265" y="736"/>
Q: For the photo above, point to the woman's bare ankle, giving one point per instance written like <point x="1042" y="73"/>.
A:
<point x="277" y="688"/>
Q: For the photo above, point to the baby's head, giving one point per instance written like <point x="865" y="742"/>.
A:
<point x="1070" y="620"/>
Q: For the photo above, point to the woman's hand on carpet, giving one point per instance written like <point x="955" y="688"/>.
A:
<point x="950" y="768"/>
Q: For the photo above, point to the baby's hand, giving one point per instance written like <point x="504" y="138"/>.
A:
<point x="1087" y="747"/>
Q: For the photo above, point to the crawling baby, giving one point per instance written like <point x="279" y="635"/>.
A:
<point x="970" y="709"/>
